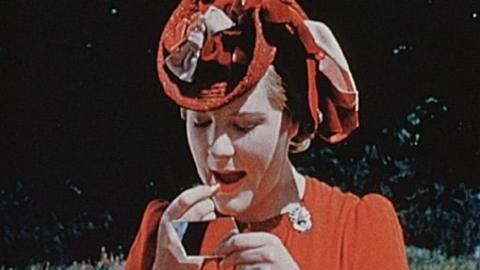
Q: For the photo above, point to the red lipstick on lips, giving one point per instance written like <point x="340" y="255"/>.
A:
<point x="229" y="180"/>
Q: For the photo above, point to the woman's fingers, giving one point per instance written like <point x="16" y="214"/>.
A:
<point x="187" y="199"/>
<point x="243" y="241"/>
<point x="257" y="250"/>
<point x="194" y="203"/>
<point x="253" y="266"/>
<point x="262" y="254"/>
<point x="199" y="210"/>
<point x="209" y="216"/>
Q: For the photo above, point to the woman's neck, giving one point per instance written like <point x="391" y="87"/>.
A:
<point x="290" y="189"/>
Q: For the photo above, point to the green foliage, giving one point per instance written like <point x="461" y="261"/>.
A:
<point x="424" y="259"/>
<point x="107" y="261"/>
<point x="29" y="233"/>
<point x="437" y="208"/>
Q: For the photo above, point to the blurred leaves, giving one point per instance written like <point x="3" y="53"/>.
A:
<point x="423" y="259"/>
<point x="437" y="208"/>
<point x="30" y="233"/>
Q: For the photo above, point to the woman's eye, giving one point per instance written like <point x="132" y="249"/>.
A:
<point x="202" y="124"/>
<point x="245" y="128"/>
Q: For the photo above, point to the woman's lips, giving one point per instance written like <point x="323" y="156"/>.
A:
<point x="229" y="180"/>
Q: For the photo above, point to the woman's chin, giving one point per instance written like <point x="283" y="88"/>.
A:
<point x="230" y="206"/>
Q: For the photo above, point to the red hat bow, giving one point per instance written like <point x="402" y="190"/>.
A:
<point x="212" y="51"/>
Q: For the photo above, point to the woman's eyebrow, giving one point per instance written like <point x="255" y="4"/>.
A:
<point x="258" y="117"/>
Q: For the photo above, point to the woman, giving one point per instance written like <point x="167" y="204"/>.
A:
<point x="256" y="80"/>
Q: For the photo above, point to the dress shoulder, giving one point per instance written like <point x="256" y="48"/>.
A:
<point x="142" y="251"/>
<point x="373" y="236"/>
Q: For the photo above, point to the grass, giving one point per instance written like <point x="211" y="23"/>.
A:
<point x="424" y="259"/>
<point x="419" y="259"/>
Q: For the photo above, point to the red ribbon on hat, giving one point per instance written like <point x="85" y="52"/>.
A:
<point x="335" y="116"/>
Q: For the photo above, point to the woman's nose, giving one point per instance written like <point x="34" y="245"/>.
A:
<point x="222" y="147"/>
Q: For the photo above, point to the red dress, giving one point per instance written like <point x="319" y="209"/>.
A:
<point x="348" y="232"/>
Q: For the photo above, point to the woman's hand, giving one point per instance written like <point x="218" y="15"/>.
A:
<point x="194" y="204"/>
<point x="257" y="250"/>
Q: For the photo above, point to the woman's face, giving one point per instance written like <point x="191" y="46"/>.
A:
<point x="242" y="146"/>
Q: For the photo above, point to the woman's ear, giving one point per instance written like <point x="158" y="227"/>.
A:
<point x="293" y="127"/>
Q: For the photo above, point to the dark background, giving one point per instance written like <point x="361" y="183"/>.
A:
<point x="87" y="137"/>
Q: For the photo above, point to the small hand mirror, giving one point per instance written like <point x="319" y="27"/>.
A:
<point x="201" y="238"/>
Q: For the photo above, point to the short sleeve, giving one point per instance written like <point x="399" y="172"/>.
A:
<point x="374" y="238"/>
<point x="142" y="251"/>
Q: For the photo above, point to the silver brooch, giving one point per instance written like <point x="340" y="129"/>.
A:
<point x="300" y="218"/>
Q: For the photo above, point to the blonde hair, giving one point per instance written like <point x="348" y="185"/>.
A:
<point x="277" y="95"/>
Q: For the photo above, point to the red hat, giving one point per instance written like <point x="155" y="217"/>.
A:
<point x="212" y="51"/>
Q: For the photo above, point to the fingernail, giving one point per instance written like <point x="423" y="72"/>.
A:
<point x="215" y="187"/>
